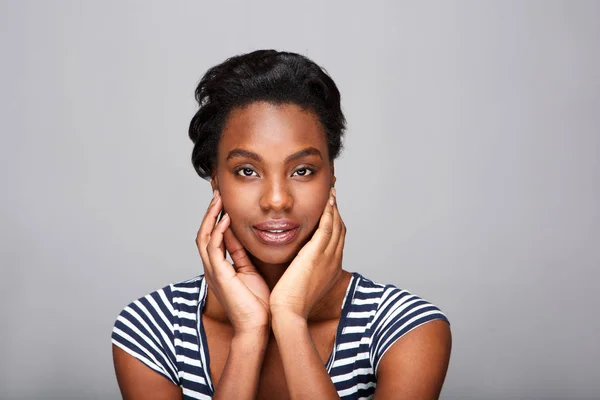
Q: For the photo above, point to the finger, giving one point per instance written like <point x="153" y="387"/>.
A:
<point x="222" y="245"/>
<point x="336" y="229"/>
<point x="339" y="250"/>
<point x="325" y="230"/>
<point x="220" y="266"/>
<point x="238" y="254"/>
<point x="208" y="223"/>
<point x="203" y="235"/>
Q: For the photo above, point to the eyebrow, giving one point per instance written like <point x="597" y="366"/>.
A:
<point x="309" y="151"/>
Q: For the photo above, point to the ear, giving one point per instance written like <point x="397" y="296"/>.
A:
<point x="214" y="182"/>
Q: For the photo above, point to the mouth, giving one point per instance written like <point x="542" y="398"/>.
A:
<point x="277" y="237"/>
<point x="276" y="233"/>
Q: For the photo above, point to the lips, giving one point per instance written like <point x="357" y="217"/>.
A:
<point x="276" y="232"/>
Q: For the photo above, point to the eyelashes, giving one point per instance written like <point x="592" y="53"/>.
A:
<point x="307" y="171"/>
<point x="248" y="172"/>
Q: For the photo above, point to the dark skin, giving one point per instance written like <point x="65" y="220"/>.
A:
<point x="271" y="317"/>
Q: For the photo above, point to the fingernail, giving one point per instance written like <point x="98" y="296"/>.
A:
<point x="334" y="192"/>
<point x="225" y="216"/>
<point x="214" y="193"/>
<point x="332" y="200"/>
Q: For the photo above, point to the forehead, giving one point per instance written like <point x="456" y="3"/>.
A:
<point x="272" y="130"/>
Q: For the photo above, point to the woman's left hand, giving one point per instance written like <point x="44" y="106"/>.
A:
<point x="315" y="269"/>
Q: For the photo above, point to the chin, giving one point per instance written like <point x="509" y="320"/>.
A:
<point x="275" y="254"/>
<point x="274" y="257"/>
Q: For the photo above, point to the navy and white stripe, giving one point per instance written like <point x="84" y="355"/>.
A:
<point x="164" y="331"/>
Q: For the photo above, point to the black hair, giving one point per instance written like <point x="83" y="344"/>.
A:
<point x="263" y="75"/>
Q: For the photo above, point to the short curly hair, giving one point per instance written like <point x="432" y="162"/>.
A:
<point x="263" y="75"/>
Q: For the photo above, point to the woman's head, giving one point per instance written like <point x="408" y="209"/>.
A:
<point x="266" y="134"/>
<point x="263" y="75"/>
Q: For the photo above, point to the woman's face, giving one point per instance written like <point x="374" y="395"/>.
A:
<point x="274" y="175"/>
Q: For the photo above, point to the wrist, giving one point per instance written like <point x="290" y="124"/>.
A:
<point x="286" y="312"/>
<point x="285" y="321"/>
<point x="249" y="344"/>
<point x="255" y="335"/>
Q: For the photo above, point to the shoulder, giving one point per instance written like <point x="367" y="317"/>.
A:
<point x="409" y="343"/>
<point x="395" y="313"/>
<point x="392" y="300"/>
<point x="161" y="306"/>
<point x="147" y="327"/>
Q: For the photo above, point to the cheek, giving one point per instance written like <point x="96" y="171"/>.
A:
<point x="238" y="221"/>
<point x="232" y="197"/>
<point x="234" y="209"/>
<point x="239" y="206"/>
<point x="314" y="205"/>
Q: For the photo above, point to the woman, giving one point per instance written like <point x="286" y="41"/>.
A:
<point x="284" y="320"/>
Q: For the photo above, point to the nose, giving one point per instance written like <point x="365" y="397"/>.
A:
<point x="276" y="196"/>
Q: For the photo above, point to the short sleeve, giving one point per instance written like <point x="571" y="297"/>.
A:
<point x="144" y="329"/>
<point x="398" y="313"/>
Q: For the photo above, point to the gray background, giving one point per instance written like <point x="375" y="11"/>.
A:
<point x="470" y="176"/>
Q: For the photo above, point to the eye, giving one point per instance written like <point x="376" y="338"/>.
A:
<point x="303" y="172"/>
<point x="245" y="172"/>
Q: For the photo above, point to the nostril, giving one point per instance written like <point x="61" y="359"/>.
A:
<point x="276" y="199"/>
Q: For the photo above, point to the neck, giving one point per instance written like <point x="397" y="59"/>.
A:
<point x="271" y="273"/>
<point x="328" y="307"/>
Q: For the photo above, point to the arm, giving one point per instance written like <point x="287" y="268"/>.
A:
<point x="137" y="381"/>
<point x="415" y="366"/>
<point x="308" y="278"/>
<point x="304" y="371"/>
<point x="239" y="379"/>
<point x="242" y="369"/>
<point x="244" y="295"/>
<point x="143" y="360"/>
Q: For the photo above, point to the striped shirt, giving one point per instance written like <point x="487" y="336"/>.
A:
<point x="164" y="331"/>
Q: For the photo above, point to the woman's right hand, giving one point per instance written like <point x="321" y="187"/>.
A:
<point x="240" y="289"/>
